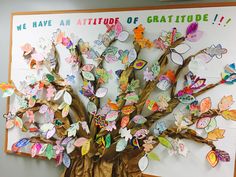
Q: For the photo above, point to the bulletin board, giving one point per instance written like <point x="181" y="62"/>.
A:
<point x="216" y="20"/>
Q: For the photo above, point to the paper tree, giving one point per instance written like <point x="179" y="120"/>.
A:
<point x="116" y="138"/>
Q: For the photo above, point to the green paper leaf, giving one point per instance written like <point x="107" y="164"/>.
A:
<point x="88" y="76"/>
<point x="133" y="85"/>
<point x="49" y="151"/>
<point x="155" y="69"/>
<point x="108" y="140"/>
<point x="165" y="142"/>
<point x="50" y="77"/>
<point x="153" y="156"/>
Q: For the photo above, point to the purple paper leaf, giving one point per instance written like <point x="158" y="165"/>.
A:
<point x="222" y="155"/>
<point x="192" y="28"/>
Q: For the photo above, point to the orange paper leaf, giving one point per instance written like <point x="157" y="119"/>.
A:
<point x="216" y="134"/>
<point x="229" y="114"/>
<point x="205" y="105"/>
<point x="225" y="103"/>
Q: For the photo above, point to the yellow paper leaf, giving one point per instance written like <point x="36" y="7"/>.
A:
<point x="85" y="148"/>
<point x="216" y="134"/>
<point x="212" y="158"/>
<point x="229" y="114"/>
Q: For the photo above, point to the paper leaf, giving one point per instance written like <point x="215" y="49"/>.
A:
<point x="10" y="124"/>
<point x="88" y="76"/>
<point x="222" y="155"/>
<point x="143" y="163"/>
<point x="91" y="107"/>
<point x="49" y="151"/>
<point x="18" y="122"/>
<point x="186" y="99"/>
<point x="66" y="140"/>
<point x="182" y="48"/>
<point x="85" y="148"/>
<point x="112" y="115"/>
<point x="139" y="64"/>
<point x="128" y="109"/>
<point x="50" y="77"/>
<point x="123" y="36"/>
<point x="73" y="129"/>
<point x="111" y="58"/>
<point x="65" y="110"/>
<point x="59" y="95"/>
<point x="33" y="150"/>
<point x="203" y="122"/>
<point x="229" y="114"/>
<point x="124" y="121"/>
<point x="108" y="140"/>
<point x="121" y="145"/>
<point x="22" y="142"/>
<point x="151" y="105"/>
<point x="66" y="160"/>
<point x="132" y="55"/>
<point x="153" y="156"/>
<point x="211" y="126"/>
<point x="165" y="142"/>
<point x="205" y="105"/>
<point x="88" y="67"/>
<point x="216" y="134"/>
<point x="43" y="149"/>
<point x="62" y="105"/>
<point x="225" y="103"/>
<point x="176" y="58"/>
<point x="58" y="159"/>
<point x="139" y="119"/>
<point x="101" y="92"/>
<point x="67" y="98"/>
<point x="192" y="28"/>
<point x="70" y="146"/>
<point x="80" y="141"/>
<point x="212" y="158"/>
<point x="51" y="133"/>
<point x="46" y="127"/>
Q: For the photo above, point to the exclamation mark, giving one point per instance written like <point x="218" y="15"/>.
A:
<point x="222" y="18"/>
<point x="227" y="22"/>
<point x="215" y="19"/>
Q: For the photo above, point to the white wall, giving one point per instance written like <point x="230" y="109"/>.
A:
<point x="11" y="166"/>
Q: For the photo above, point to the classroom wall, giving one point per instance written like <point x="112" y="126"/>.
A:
<point x="10" y="165"/>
